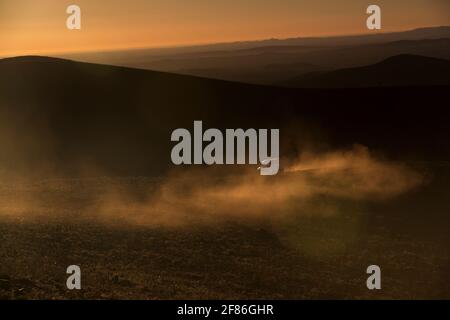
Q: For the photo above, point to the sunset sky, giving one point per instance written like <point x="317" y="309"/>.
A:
<point x="37" y="27"/>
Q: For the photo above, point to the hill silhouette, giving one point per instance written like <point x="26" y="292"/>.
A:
<point x="65" y="117"/>
<point x="274" y="61"/>
<point x="400" y="70"/>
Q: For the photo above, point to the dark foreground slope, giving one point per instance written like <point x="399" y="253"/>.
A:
<point x="68" y="116"/>
<point x="72" y="118"/>
<point x="401" y="70"/>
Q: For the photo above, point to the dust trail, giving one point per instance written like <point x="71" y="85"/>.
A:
<point x="197" y="196"/>
<point x="210" y="195"/>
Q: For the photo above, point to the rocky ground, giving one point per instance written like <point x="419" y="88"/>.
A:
<point x="297" y="258"/>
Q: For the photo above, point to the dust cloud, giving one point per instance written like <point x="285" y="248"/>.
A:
<point x="208" y="196"/>
<point x="200" y="195"/>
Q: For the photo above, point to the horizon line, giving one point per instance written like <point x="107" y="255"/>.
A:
<point x="205" y="44"/>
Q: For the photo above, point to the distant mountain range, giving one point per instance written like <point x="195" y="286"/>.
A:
<point x="401" y="70"/>
<point x="440" y="32"/>
<point x="69" y="117"/>
<point x="276" y="61"/>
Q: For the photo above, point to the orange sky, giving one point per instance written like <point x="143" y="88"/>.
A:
<point x="38" y="26"/>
